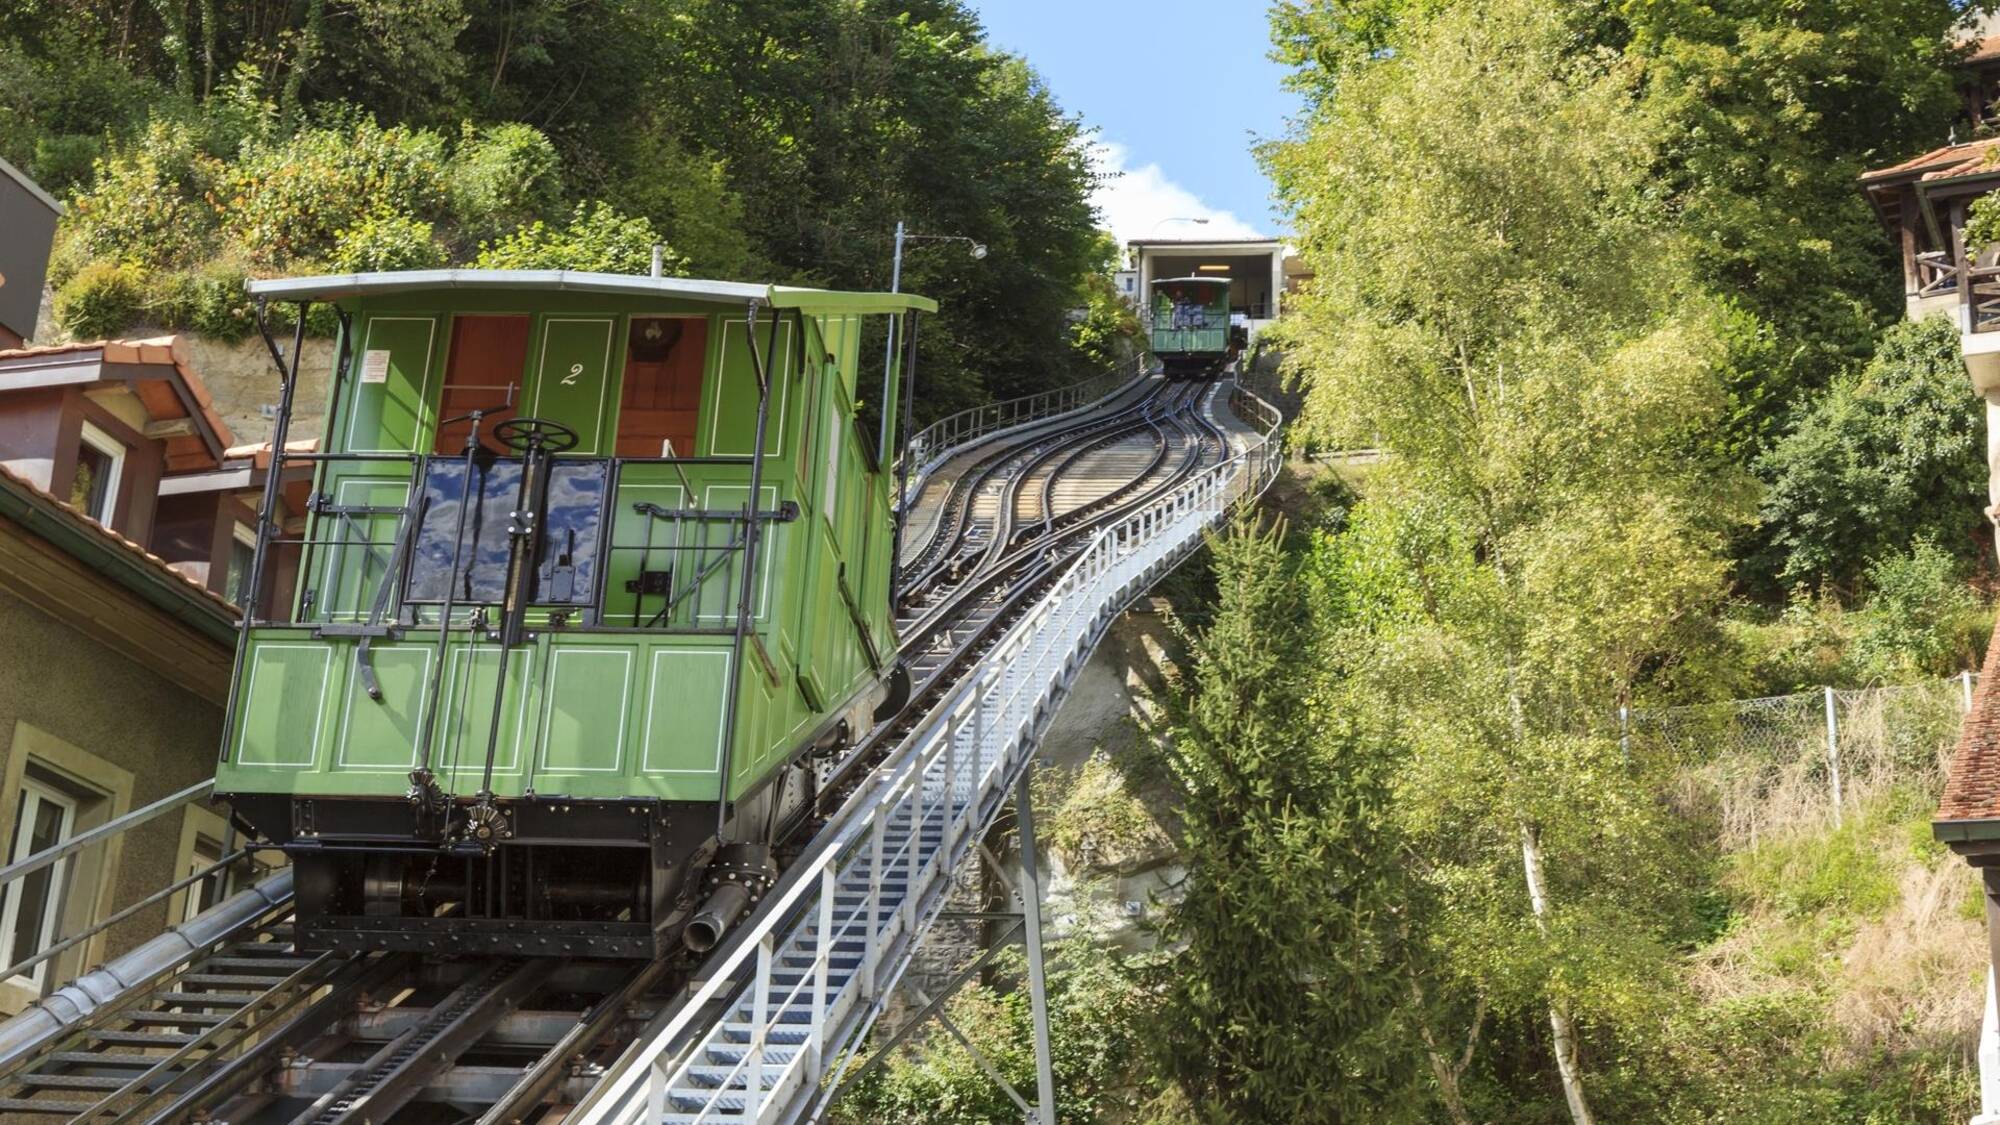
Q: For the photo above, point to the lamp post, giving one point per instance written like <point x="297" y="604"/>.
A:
<point x="977" y="250"/>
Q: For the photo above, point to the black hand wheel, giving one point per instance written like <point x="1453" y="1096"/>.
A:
<point x="524" y="434"/>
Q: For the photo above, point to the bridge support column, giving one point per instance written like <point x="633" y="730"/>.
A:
<point x="1031" y="919"/>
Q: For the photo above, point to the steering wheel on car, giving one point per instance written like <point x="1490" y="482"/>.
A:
<point x="524" y="435"/>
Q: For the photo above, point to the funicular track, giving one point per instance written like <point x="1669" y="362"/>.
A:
<point x="245" y="1029"/>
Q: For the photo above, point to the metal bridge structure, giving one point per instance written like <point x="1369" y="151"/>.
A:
<point x="1032" y="526"/>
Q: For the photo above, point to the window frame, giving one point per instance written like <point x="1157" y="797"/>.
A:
<point x="96" y="437"/>
<point x="54" y="904"/>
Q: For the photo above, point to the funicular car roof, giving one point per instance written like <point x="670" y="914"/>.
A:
<point x="334" y="286"/>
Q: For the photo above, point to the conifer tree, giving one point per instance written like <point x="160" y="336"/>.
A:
<point x="1287" y="986"/>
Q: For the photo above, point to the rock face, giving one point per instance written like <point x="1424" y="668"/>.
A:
<point x="244" y="382"/>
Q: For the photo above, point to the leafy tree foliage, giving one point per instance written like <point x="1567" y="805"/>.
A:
<point x="1289" y="990"/>
<point x="778" y="139"/>
<point x="1503" y="305"/>
<point x="1889" y="457"/>
<point x="1099" y="1014"/>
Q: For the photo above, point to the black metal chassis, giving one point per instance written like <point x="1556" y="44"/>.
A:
<point x="339" y="837"/>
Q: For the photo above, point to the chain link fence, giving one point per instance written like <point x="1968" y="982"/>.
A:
<point x="1787" y="760"/>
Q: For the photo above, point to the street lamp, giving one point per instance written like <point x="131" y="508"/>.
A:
<point x="977" y="250"/>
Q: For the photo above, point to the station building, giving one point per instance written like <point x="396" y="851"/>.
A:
<point x="1261" y="271"/>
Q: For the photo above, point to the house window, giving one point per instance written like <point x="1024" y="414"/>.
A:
<point x="44" y="818"/>
<point x="242" y="550"/>
<point x="94" y="491"/>
<point x="202" y="893"/>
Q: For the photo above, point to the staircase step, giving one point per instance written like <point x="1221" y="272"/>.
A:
<point x="206" y="999"/>
<point x="70" y="1081"/>
<point x="176" y="1019"/>
<point x="35" y="1105"/>
<point x="105" y="1058"/>
<point x="143" y="1038"/>
<point x="240" y="980"/>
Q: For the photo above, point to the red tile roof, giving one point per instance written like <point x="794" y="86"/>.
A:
<point x="1943" y="163"/>
<point x="169" y="353"/>
<point x="1972" y="791"/>
<point x="69" y="512"/>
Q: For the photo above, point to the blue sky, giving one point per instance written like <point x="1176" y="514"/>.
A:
<point x="1128" y="67"/>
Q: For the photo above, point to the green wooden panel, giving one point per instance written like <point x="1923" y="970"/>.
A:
<point x="353" y="562"/>
<point x="382" y="734"/>
<point x="573" y="376"/>
<point x="468" y="713"/>
<point x="588" y="700"/>
<point x="685" y="688"/>
<point x="389" y="415"/>
<point x="731" y="412"/>
<point x="283" y="707"/>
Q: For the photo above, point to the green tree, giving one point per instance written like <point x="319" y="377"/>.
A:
<point x="1503" y="306"/>
<point x="1772" y="109"/>
<point x="1887" y="457"/>
<point x="1288" y="991"/>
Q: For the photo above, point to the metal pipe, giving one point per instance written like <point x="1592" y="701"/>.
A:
<point x="719" y="912"/>
<point x="758" y="365"/>
<point x="274" y="476"/>
<point x="112" y="827"/>
<point x="98" y="927"/>
<point x="74" y="1003"/>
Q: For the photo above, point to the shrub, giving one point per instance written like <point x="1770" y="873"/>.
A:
<point x="1921" y="618"/>
<point x="598" y="238"/>
<point x="387" y="242"/>
<point x="102" y="300"/>
<point x="208" y="299"/>
<point x="1879" y="461"/>
<point x="505" y="177"/>
<point x="291" y="200"/>
<point x="143" y="206"/>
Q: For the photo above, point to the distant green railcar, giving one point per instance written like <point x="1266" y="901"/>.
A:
<point x="1191" y="333"/>
<point x="566" y="643"/>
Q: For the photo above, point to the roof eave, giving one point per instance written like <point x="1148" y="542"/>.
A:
<point x="170" y="593"/>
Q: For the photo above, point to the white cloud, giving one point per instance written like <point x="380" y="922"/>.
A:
<point x="1136" y="202"/>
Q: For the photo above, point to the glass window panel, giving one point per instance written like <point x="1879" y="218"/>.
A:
<point x="44" y="819"/>
<point x="566" y="569"/>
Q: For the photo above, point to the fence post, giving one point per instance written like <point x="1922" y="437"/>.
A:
<point x="1965" y="681"/>
<point x="1833" y="754"/>
<point x="1625" y="733"/>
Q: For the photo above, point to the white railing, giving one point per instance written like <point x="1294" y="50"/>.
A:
<point x="945" y="438"/>
<point x="806" y="973"/>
